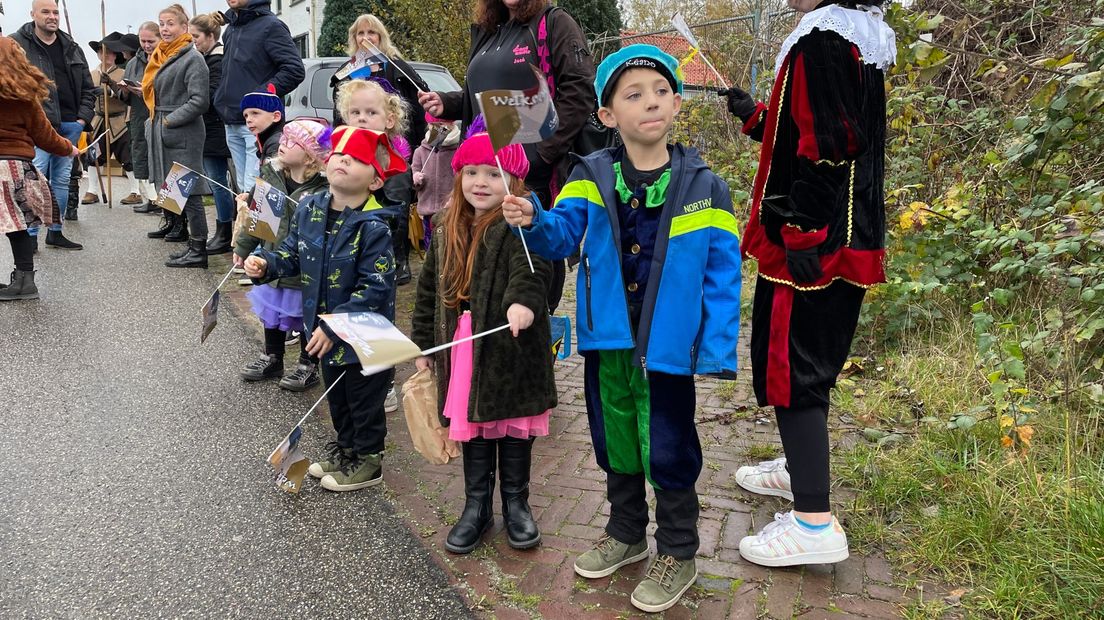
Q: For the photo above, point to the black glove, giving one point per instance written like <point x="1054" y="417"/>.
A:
<point x="804" y="265"/>
<point x="740" y="103"/>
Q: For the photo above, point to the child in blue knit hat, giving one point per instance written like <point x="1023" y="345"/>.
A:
<point x="264" y="117"/>
<point x="658" y="302"/>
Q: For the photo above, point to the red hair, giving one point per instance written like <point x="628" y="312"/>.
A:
<point x="463" y="232"/>
<point x="19" y="79"/>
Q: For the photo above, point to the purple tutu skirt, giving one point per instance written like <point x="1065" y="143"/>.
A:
<point x="278" y="308"/>
<point x="459" y="391"/>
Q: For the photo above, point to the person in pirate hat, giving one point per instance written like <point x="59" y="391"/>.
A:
<point x="110" y="73"/>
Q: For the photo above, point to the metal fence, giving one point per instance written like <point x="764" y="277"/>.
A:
<point x="741" y="47"/>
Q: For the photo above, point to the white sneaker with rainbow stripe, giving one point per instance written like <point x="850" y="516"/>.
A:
<point x="766" y="478"/>
<point x="785" y="543"/>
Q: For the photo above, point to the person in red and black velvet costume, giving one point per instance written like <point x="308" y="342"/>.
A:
<point x="817" y="230"/>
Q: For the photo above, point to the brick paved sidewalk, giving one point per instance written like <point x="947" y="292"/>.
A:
<point x="568" y="500"/>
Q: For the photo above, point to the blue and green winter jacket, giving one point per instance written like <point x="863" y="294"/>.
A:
<point x="691" y="314"/>
<point x="355" y="272"/>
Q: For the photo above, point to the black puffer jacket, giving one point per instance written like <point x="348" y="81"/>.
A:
<point x="215" y="144"/>
<point x="79" y="75"/>
<point x="572" y="72"/>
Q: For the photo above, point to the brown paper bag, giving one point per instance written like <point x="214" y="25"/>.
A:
<point x="241" y="224"/>
<point x="420" y="406"/>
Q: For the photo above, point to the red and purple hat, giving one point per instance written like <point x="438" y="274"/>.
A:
<point x="363" y="146"/>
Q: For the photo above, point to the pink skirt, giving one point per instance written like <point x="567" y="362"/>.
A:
<point x="459" y="390"/>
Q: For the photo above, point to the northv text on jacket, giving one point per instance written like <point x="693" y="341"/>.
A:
<point x="354" y="272"/>
<point x="690" y="319"/>
<point x="511" y="377"/>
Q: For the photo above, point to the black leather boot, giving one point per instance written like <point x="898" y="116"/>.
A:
<point x="148" y="207"/>
<point x="479" y="470"/>
<point x="515" y="459"/>
<point x="196" y="256"/>
<point x="401" y="248"/>
<point x="219" y="243"/>
<point x="181" y="252"/>
<point x="179" y="231"/>
<point x="168" y="221"/>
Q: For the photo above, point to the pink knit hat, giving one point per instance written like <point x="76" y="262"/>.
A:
<point x="313" y="137"/>
<point x="476" y="150"/>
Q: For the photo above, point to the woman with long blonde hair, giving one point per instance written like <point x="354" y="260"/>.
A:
<point x="368" y="32"/>
<point x="26" y="199"/>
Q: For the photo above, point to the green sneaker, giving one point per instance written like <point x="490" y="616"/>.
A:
<point x="359" y="471"/>
<point x="332" y="464"/>
<point x="667" y="579"/>
<point x="608" y="555"/>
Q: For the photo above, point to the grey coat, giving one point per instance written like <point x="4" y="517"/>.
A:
<point x="176" y="130"/>
<point x="139" y="115"/>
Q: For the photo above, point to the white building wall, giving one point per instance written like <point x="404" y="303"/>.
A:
<point x="304" y="20"/>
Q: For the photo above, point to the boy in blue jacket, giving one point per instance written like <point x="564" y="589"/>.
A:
<point x="341" y="249"/>
<point x="658" y="302"/>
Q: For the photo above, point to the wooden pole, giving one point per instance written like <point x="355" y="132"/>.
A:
<point x="106" y="118"/>
<point x="68" y="25"/>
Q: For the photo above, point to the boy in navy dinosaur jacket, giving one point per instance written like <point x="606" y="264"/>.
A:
<point x="341" y="248"/>
<point x="658" y="302"/>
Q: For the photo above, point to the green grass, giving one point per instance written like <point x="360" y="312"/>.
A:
<point x="1023" y="531"/>
<point x="510" y="592"/>
<point x="761" y="452"/>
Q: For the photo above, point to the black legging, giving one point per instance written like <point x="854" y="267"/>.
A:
<point x="276" y="340"/>
<point x="804" y="433"/>
<point x="22" y="246"/>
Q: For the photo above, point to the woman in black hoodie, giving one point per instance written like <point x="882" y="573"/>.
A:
<point x="508" y="36"/>
<point x="206" y="30"/>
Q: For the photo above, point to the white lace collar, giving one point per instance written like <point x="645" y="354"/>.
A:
<point x="865" y="27"/>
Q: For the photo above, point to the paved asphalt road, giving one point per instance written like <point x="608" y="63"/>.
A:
<point x="134" y="459"/>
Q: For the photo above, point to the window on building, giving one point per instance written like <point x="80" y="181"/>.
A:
<point x="302" y="42"/>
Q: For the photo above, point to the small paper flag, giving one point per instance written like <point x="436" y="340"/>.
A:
<point x="289" y="463"/>
<point x="679" y="23"/>
<point x="519" y="116"/>
<point x="210" y="316"/>
<point x="178" y="186"/>
<point x="378" y="344"/>
<point x="265" y="211"/>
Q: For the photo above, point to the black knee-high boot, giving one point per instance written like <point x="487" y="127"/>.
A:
<point x="479" y="470"/>
<point x="515" y="460"/>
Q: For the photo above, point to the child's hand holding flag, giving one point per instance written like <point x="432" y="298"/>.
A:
<point x="517" y="210"/>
